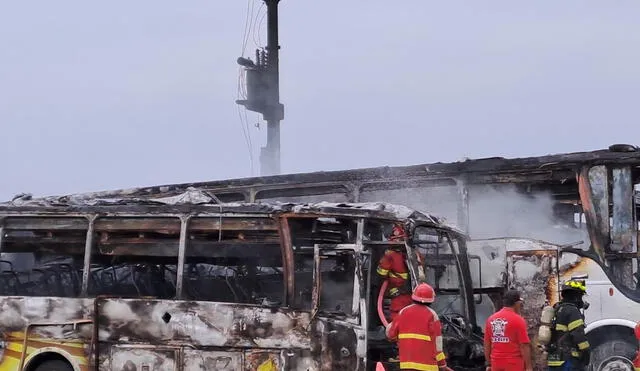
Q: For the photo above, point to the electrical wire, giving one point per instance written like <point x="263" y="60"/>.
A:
<point x="256" y="29"/>
<point x="251" y="18"/>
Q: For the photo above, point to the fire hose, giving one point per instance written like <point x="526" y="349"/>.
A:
<point x="383" y="289"/>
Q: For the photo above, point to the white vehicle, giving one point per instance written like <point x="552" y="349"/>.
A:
<point x="533" y="267"/>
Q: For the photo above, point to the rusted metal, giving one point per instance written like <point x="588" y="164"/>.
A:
<point x="592" y="212"/>
<point x="287" y="256"/>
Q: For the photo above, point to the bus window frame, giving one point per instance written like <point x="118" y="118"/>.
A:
<point x="459" y="252"/>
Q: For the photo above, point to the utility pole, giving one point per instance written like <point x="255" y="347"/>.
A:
<point x="263" y="91"/>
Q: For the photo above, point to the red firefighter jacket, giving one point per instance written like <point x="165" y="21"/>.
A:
<point x="392" y="267"/>
<point x="419" y="334"/>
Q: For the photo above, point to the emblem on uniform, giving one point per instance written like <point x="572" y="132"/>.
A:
<point x="498" y="327"/>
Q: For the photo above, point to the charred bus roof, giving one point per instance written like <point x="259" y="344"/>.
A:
<point x="198" y="203"/>
<point x="556" y="173"/>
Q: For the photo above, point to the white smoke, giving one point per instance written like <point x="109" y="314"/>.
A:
<point x="505" y="212"/>
<point x="494" y="211"/>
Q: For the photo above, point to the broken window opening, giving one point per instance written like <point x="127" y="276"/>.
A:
<point x="243" y="264"/>
<point x="306" y="232"/>
<point x="337" y="276"/>
<point x="135" y="257"/>
<point x="42" y="256"/>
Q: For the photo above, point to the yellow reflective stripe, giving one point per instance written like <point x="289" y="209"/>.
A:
<point x="440" y="356"/>
<point x="404" y="276"/>
<point x="381" y="271"/>
<point x="555" y="363"/>
<point x="393" y="290"/>
<point x="575" y="354"/>
<point x="418" y="366"/>
<point x="575" y="324"/>
<point x="560" y="327"/>
<point x="584" y="345"/>
<point x="414" y="336"/>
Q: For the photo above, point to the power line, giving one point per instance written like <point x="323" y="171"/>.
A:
<point x="249" y="31"/>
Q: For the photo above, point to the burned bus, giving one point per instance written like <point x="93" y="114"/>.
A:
<point x="188" y="283"/>
<point x="561" y="198"/>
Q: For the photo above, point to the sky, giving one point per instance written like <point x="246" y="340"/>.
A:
<point x="98" y="96"/>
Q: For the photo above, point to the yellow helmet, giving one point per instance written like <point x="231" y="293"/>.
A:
<point x="575" y="285"/>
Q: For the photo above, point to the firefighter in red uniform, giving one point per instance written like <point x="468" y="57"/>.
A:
<point x="393" y="267"/>
<point x="418" y="332"/>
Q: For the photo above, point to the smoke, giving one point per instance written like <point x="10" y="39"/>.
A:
<point x="505" y="212"/>
<point x="494" y="211"/>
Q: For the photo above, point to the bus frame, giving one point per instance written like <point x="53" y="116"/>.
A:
<point x="126" y="332"/>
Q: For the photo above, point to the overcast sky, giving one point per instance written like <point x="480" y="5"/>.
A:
<point x="104" y="95"/>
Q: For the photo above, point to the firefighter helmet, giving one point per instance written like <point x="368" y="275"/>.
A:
<point x="578" y="286"/>
<point x="397" y="233"/>
<point x="423" y="293"/>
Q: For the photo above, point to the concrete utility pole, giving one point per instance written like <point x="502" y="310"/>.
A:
<point x="263" y="91"/>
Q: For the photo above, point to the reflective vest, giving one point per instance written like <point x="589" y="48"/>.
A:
<point x="419" y="334"/>
<point x="393" y="268"/>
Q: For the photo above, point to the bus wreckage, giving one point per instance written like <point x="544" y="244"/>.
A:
<point x="278" y="273"/>
<point x="186" y="283"/>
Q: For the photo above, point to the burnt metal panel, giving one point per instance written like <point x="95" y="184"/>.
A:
<point x="18" y="312"/>
<point x="624" y="228"/>
<point x="44" y="223"/>
<point x="201" y="323"/>
<point x="138" y="224"/>
<point x="594" y="196"/>
<point x="143" y="358"/>
<point x="335" y="346"/>
<point x="198" y="360"/>
<point x="233" y="224"/>
<point x="88" y="248"/>
<point x="182" y="246"/>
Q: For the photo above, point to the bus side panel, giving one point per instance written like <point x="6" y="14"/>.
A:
<point x="136" y="358"/>
<point x="62" y="330"/>
<point x="227" y="336"/>
<point x="196" y="360"/>
<point x="338" y="345"/>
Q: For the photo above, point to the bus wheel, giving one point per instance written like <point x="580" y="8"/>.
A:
<point x="612" y="355"/>
<point x="54" y="365"/>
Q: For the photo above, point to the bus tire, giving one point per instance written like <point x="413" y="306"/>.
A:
<point x="54" y="365"/>
<point x="613" y="355"/>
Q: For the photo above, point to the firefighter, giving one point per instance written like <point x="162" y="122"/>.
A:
<point x="393" y="267"/>
<point x="568" y="348"/>
<point x="418" y="332"/>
